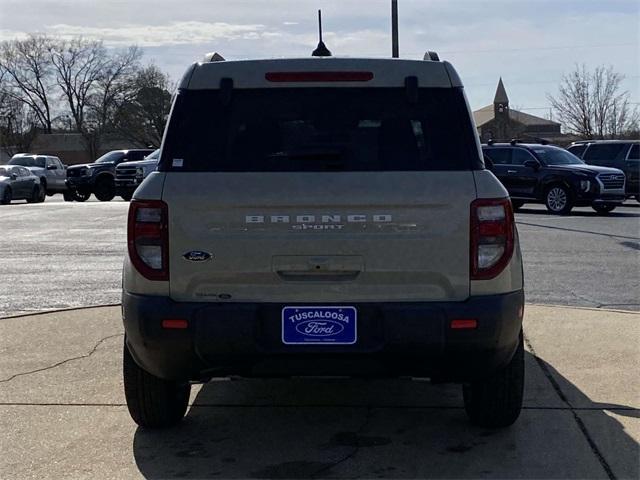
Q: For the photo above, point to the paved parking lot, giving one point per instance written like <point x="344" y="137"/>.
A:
<point x="59" y="255"/>
<point x="62" y="411"/>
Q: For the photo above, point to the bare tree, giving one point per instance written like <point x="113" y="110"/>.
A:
<point x="593" y="104"/>
<point x="143" y="116"/>
<point x="79" y="65"/>
<point x="29" y="76"/>
<point x="112" y="89"/>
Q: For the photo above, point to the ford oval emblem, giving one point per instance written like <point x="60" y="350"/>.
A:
<point x="319" y="328"/>
<point x="197" y="256"/>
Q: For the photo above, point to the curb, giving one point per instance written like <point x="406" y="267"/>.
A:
<point x="59" y="310"/>
<point x="593" y="309"/>
<point x="89" y="307"/>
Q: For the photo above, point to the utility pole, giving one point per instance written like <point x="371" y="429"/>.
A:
<point x="395" y="49"/>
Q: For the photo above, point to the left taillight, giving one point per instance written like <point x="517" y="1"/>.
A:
<point x="148" y="238"/>
<point x="492" y="237"/>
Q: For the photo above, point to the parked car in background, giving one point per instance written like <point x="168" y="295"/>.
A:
<point x="19" y="183"/>
<point x="131" y="174"/>
<point x="99" y="177"/>
<point x="535" y="173"/>
<point x="51" y="171"/>
<point x="621" y="154"/>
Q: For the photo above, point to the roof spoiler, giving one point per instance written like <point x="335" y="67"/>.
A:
<point x="431" y="56"/>
<point x="212" y="57"/>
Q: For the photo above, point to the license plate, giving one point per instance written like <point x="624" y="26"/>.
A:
<point x="319" y="325"/>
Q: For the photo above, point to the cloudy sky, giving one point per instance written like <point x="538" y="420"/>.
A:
<point x="530" y="43"/>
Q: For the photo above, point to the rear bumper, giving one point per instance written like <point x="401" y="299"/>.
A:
<point x="394" y="339"/>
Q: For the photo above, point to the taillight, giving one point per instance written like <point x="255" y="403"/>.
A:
<point x="148" y="238"/>
<point x="492" y="237"/>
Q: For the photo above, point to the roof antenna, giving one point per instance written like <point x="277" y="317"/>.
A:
<point x="321" y="50"/>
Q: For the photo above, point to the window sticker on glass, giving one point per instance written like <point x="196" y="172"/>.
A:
<point x="177" y="162"/>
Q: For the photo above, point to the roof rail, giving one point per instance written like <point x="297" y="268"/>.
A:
<point x="213" y="57"/>
<point x="431" y="56"/>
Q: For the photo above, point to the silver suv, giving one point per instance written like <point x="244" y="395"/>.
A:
<point x="322" y="216"/>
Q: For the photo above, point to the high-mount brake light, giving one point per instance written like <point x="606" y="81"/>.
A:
<point x="148" y="238"/>
<point x="280" y="77"/>
<point x="492" y="237"/>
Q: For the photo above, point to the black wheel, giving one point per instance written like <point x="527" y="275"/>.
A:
<point x="80" y="196"/>
<point x="43" y="184"/>
<point x="43" y="194"/>
<point x="104" y="189"/>
<point x="68" y="196"/>
<point x="517" y="204"/>
<point x="127" y="196"/>
<point x="35" y="195"/>
<point x="7" y="196"/>
<point x="496" y="401"/>
<point x="152" y="401"/>
<point x="558" y="199"/>
<point x="603" y="209"/>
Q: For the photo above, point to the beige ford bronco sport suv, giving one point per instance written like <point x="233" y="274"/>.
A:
<point x="322" y="216"/>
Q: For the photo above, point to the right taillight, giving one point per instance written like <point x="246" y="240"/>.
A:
<point x="492" y="237"/>
<point x="148" y="238"/>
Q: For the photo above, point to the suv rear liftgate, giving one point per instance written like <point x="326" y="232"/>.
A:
<point x="312" y="224"/>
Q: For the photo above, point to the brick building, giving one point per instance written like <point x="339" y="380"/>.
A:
<point x="501" y="123"/>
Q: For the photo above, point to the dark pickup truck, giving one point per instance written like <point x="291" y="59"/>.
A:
<point x="535" y="173"/>
<point x="99" y="177"/>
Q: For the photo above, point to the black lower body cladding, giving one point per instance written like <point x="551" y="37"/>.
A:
<point x="394" y="339"/>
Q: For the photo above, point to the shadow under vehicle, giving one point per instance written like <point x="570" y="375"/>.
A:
<point x="338" y="428"/>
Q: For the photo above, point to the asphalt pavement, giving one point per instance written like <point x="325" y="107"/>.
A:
<point x="59" y="255"/>
<point x="62" y="412"/>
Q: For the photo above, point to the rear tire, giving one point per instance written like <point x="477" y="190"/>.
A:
<point x="152" y="401"/>
<point x="68" y="196"/>
<point x="127" y="196"/>
<point x="104" y="189"/>
<point x="604" y="209"/>
<point x="35" y="195"/>
<point x="558" y="199"/>
<point x="496" y="402"/>
<point x="7" y="196"/>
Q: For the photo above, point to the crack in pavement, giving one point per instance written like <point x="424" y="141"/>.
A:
<point x="87" y="355"/>
<point x="583" y="428"/>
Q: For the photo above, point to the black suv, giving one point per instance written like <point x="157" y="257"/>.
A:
<point x="534" y="173"/>
<point x="99" y="177"/>
<point x="622" y="154"/>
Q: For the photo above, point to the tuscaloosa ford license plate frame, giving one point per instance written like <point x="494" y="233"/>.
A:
<point x="319" y="325"/>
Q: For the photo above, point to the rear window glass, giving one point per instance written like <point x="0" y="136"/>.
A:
<point x="28" y="161"/>
<point x="499" y="156"/>
<point x="577" y="150"/>
<point x="634" y="153"/>
<point x="606" y="151"/>
<point x="320" y="129"/>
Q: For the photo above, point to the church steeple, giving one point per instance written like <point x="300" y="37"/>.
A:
<point x="501" y="95"/>
<point x="501" y="104"/>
